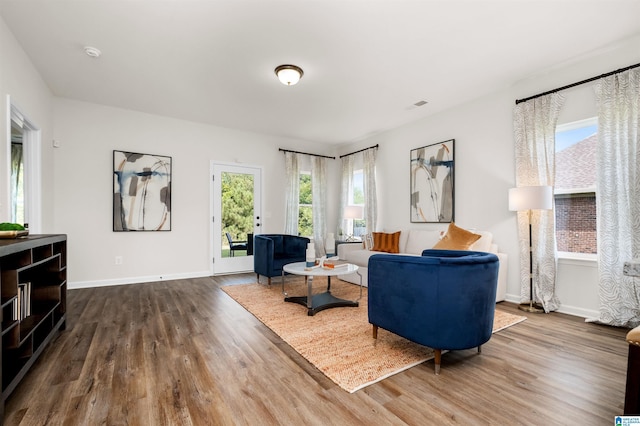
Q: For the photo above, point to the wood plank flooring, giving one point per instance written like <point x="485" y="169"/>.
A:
<point x="184" y="353"/>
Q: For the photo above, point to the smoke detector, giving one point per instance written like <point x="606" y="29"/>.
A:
<point x="92" y="52"/>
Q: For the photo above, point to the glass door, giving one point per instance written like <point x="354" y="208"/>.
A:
<point x="236" y="217"/>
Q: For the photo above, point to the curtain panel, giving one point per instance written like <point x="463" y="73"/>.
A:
<point x="534" y="131"/>
<point x="347" y="181"/>
<point x="319" y="202"/>
<point x="292" y="196"/>
<point x="370" y="190"/>
<point x="618" y="196"/>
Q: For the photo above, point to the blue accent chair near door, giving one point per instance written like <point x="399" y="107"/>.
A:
<point x="272" y="251"/>
<point x="444" y="299"/>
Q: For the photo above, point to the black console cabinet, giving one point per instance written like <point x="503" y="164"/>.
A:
<point x="33" y="297"/>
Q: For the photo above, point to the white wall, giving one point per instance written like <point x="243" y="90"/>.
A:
<point x="88" y="133"/>
<point x="484" y="156"/>
<point x="77" y="182"/>
<point x="21" y="82"/>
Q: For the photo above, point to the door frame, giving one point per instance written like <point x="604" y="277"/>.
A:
<point x="213" y="222"/>
<point x="32" y="157"/>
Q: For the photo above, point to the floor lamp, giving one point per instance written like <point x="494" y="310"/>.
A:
<point x="528" y="198"/>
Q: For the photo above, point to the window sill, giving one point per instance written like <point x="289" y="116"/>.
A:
<point x="581" y="259"/>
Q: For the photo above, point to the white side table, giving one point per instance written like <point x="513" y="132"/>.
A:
<point x="325" y="300"/>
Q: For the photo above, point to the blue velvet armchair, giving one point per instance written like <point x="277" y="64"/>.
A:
<point x="444" y="299"/>
<point x="272" y="251"/>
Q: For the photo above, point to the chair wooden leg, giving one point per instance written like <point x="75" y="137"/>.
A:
<point x="269" y="280"/>
<point x="480" y="349"/>
<point x="437" y="360"/>
<point x="258" y="278"/>
<point x="375" y="331"/>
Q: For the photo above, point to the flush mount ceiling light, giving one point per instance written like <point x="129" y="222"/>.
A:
<point x="289" y="74"/>
<point x="92" y="52"/>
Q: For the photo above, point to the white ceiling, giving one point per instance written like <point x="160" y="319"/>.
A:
<point x="365" y="62"/>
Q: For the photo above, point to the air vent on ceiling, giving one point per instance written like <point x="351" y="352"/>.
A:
<point x="420" y="103"/>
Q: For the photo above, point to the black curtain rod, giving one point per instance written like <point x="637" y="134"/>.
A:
<point x="589" y="80"/>
<point x="355" y="152"/>
<point x="306" y="153"/>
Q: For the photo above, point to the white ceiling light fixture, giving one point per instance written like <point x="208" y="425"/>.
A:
<point x="289" y="74"/>
<point x="92" y="52"/>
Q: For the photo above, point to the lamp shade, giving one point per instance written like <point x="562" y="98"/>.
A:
<point x="531" y="198"/>
<point x="353" y="212"/>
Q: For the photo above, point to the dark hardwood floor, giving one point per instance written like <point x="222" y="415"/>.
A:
<point x="184" y="353"/>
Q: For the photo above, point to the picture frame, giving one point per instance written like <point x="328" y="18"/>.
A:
<point x="432" y="187"/>
<point x="141" y="192"/>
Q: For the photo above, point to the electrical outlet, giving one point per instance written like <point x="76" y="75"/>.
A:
<point x="118" y="260"/>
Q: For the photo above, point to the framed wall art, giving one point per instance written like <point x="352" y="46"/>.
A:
<point x="432" y="188"/>
<point x="141" y="192"/>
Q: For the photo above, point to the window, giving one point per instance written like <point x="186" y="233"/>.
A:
<point x="575" y="187"/>
<point x="356" y="198"/>
<point x="305" y="211"/>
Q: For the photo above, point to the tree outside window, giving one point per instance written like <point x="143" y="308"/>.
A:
<point x="305" y="210"/>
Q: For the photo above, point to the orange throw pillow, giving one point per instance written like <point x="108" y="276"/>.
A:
<point x="389" y="243"/>
<point x="457" y="239"/>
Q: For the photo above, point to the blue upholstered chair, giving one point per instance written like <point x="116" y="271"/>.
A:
<point x="272" y="251"/>
<point x="444" y="299"/>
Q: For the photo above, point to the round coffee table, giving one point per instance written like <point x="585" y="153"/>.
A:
<point x="325" y="300"/>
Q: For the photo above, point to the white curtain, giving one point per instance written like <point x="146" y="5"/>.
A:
<point x="347" y="179"/>
<point x="618" y="195"/>
<point x="319" y="202"/>
<point x="370" y="197"/>
<point x="292" y="196"/>
<point x="534" y="130"/>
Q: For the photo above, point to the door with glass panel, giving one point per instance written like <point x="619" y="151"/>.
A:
<point x="236" y="217"/>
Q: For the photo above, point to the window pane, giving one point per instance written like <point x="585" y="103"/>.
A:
<point x="305" y="221"/>
<point x="305" y="213"/>
<point x="358" y="226"/>
<point x="576" y="223"/>
<point x="575" y="187"/>
<point x="237" y="212"/>
<point x="357" y="192"/>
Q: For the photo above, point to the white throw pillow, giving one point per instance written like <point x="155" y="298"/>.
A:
<point x="484" y="243"/>
<point x="420" y="240"/>
<point x="367" y="241"/>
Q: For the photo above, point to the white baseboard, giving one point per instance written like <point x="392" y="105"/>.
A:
<point x="563" y="309"/>
<point x="136" y="280"/>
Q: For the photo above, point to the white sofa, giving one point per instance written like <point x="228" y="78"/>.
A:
<point x="413" y="242"/>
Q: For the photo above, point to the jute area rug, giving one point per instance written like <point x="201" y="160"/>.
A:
<point x="337" y="341"/>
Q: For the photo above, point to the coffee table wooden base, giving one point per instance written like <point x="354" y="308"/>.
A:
<point x="320" y="302"/>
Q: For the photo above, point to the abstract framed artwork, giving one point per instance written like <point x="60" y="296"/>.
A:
<point x="141" y="192"/>
<point x="432" y="188"/>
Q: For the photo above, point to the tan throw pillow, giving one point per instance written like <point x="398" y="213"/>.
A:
<point x="389" y="243"/>
<point x="456" y="239"/>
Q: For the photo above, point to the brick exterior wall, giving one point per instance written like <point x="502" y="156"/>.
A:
<point x="576" y="223"/>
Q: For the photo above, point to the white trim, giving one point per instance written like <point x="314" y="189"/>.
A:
<point x="589" y="190"/>
<point x="591" y="121"/>
<point x="136" y="280"/>
<point x="562" y="309"/>
<point x="213" y="212"/>
<point x="32" y="146"/>
<point x="578" y="312"/>
<point x="31" y="142"/>
<point x="579" y="259"/>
